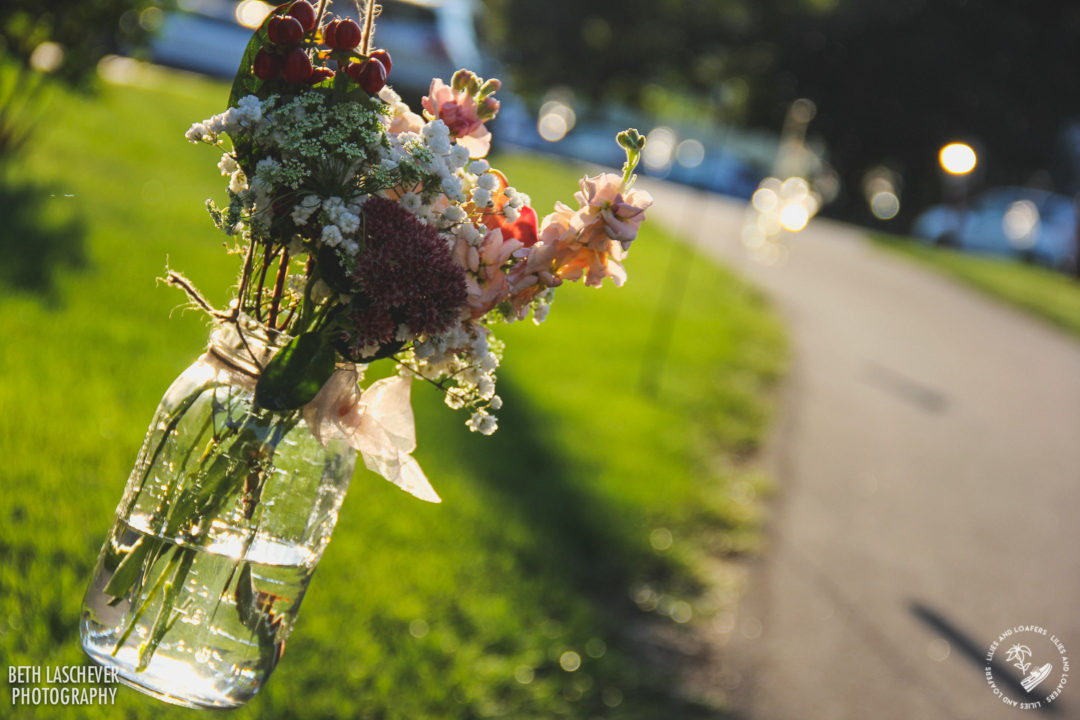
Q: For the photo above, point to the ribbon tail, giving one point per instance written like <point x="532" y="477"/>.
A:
<point x="401" y="469"/>
<point x="378" y="423"/>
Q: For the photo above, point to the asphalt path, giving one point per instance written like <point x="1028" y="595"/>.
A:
<point x="928" y="462"/>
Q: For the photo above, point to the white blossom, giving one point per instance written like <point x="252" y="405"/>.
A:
<point x="481" y="197"/>
<point x="331" y="236"/>
<point x="459" y="157"/>
<point x="238" y="182"/>
<point x="516" y="199"/>
<point x="437" y="136"/>
<point x="454" y="214"/>
<point x="306" y="207"/>
<point x="227" y="164"/>
<point x="485" y="386"/>
<point x="198" y="132"/>
<point x="249" y="111"/>
<point x="388" y="95"/>
<point x="483" y="423"/>
<point x="451" y="187"/>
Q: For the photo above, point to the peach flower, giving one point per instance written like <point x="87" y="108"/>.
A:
<point x="621" y="211"/>
<point x="459" y="111"/>
<point x="486" y="284"/>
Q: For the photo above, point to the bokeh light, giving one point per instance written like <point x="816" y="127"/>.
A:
<point x="1021" y="223"/>
<point x="957" y="158"/>
<point x="794" y="217"/>
<point x="659" y="148"/>
<point x="151" y="18"/>
<point x="47" y="57"/>
<point x="556" y="119"/>
<point x="885" y="205"/>
<point x="570" y="661"/>
<point x="764" y="199"/>
<point x="690" y="153"/>
<point x="881" y="188"/>
<point x="251" y="13"/>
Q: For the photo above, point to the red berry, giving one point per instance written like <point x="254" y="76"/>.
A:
<point x="319" y="74"/>
<point x="347" y="35"/>
<point x="303" y="12"/>
<point x="369" y="74"/>
<point x="285" y="30"/>
<point x="267" y="65"/>
<point x="297" y="66"/>
<point x="329" y="33"/>
<point x="383" y="57"/>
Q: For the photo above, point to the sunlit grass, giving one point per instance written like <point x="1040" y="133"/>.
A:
<point x="1050" y="295"/>
<point x="460" y="610"/>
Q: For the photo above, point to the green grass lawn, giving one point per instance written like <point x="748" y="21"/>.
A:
<point x="587" y="514"/>
<point x="1050" y="295"/>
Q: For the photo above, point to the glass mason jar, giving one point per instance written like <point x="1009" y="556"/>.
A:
<point x="225" y="515"/>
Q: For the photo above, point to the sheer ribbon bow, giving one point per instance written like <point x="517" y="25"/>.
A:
<point x="377" y="422"/>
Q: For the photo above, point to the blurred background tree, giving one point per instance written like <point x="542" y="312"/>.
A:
<point x="41" y="44"/>
<point x="892" y="81"/>
<point x="616" y="50"/>
<point x="70" y="36"/>
<point x="895" y="81"/>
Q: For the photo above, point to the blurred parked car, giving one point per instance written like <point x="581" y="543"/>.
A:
<point x="721" y="171"/>
<point x="203" y="36"/>
<point x="426" y="38"/>
<point x="1011" y="221"/>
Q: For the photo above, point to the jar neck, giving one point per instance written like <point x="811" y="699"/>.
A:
<point x="245" y="346"/>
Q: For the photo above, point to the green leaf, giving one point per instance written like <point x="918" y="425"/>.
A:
<point x="128" y="570"/>
<point x="332" y="271"/>
<point x="245" y="83"/>
<point x="296" y="374"/>
<point x="223" y="478"/>
<point x="168" y="613"/>
<point x="245" y="599"/>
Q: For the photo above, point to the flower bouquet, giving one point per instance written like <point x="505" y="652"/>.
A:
<point x="368" y="234"/>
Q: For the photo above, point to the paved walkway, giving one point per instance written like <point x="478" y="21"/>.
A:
<point x="929" y="485"/>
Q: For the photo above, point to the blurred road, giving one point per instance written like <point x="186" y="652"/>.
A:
<point x="928" y="461"/>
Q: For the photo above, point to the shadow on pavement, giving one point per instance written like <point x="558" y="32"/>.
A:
<point x="976" y="654"/>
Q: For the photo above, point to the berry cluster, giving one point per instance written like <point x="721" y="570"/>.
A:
<point x="294" y="38"/>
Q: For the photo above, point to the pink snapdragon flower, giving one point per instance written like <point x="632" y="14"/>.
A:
<point x="590" y="242"/>
<point x="486" y="284"/>
<point x="621" y="211"/>
<point x="461" y="113"/>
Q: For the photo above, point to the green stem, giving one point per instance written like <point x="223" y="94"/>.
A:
<point x="279" y="286"/>
<point x="147" y="599"/>
<point x="167" y="613"/>
<point x="178" y="415"/>
<point x="224" y="469"/>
